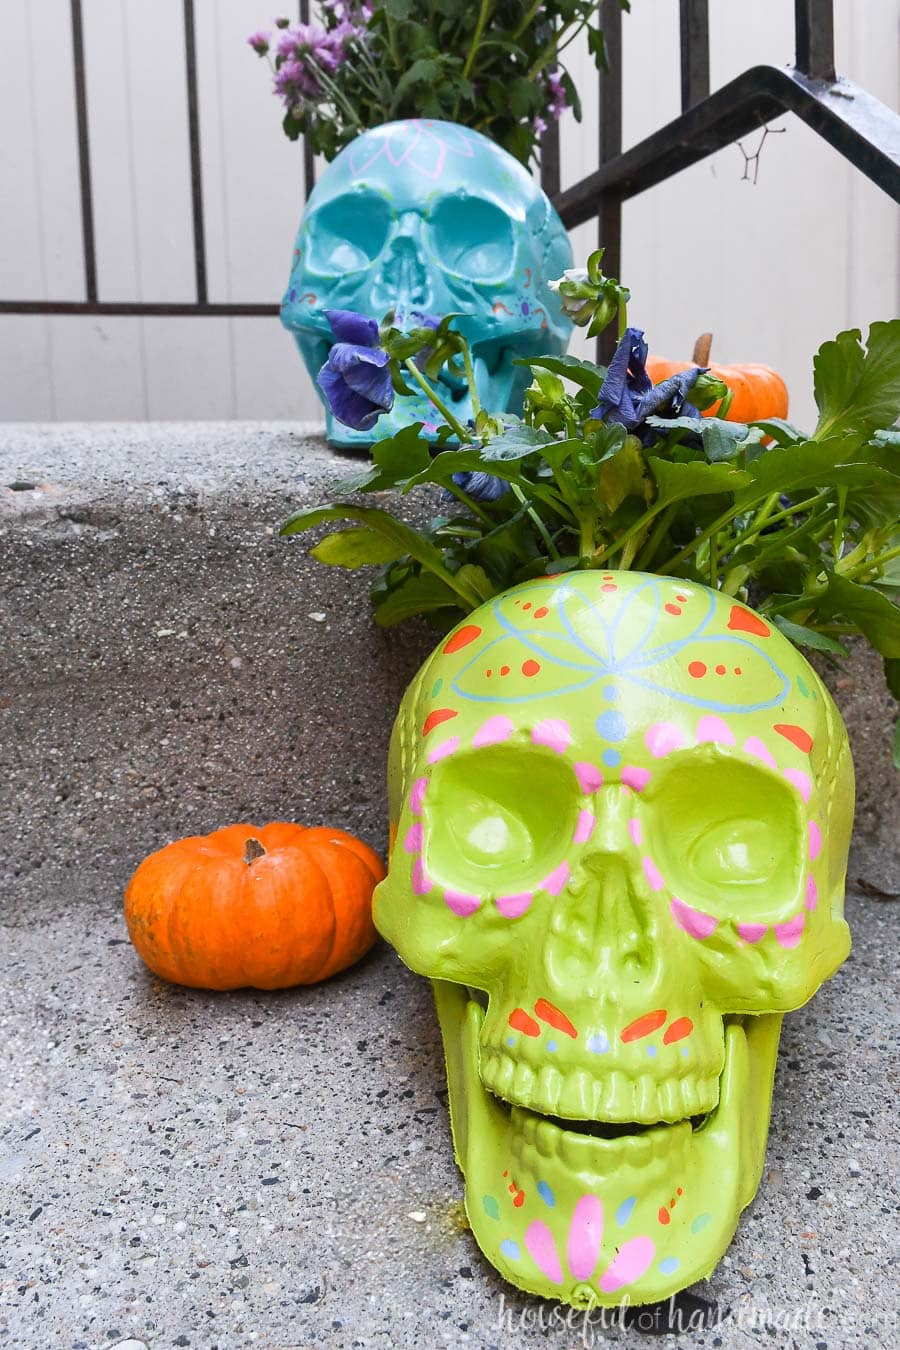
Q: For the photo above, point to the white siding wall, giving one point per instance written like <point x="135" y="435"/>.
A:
<point x="772" y="269"/>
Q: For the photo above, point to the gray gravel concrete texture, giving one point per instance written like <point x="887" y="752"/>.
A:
<point x="275" y="1170"/>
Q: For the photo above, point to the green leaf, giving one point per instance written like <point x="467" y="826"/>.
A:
<point x="421" y="72"/>
<point x="801" y="636"/>
<point x="782" y="432"/>
<point x="404" y="536"/>
<point x="677" y="482"/>
<point x="357" y="547"/>
<point x="582" y="373"/>
<point x="837" y="461"/>
<point x="515" y="443"/>
<point x="858" y="391"/>
<point x="420" y="594"/>
<point x="477" y="579"/>
<point x="876" y="616"/>
<point x="622" y="475"/>
<point x="393" y="461"/>
<point x="722" y="440"/>
<point x="892" y="676"/>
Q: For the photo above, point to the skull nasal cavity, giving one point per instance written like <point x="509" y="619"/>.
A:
<point x="402" y="275"/>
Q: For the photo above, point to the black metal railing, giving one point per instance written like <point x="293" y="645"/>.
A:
<point x="857" y="125"/>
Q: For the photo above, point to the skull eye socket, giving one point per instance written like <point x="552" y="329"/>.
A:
<point x="472" y="238"/>
<point x="498" y="818"/>
<point x="347" y="234"/>
<point x="730" y="837"/>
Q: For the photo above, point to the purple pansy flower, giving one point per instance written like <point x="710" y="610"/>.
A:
<point x="419" y="319"/>
<point x="628" y="395"/>
<point x="348" y="326"/>
<point x="356" y="379"/>
<point x="481" y="486"/>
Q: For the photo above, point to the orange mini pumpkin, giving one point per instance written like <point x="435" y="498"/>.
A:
<point x="757" y="391"/>
<point x="269" y="907"/>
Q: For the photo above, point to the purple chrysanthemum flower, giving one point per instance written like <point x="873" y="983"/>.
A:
<point x="356" y="378"/>
<point x="259" y="42"/>
<point x="294" y="81"/>
<point x="538" y="125"/>
<point x="558" y="101"/>
<point x="312" y="41"/>
<point x="628" y="395"/>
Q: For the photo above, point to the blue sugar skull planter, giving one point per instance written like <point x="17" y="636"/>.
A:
<point x="430" y="216"/>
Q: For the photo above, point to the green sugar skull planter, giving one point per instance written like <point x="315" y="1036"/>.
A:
<point x="426" y="217"/>
<point x="623" y="807"/>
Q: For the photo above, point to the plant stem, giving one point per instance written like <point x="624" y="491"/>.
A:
<point x="765" y="519"/>
<point x="868" y="564"/>
<point x="586" y="538"/>
<point x="649" y="549"/>
<point x="481" y="24"/>
<point x="529" y="15"/>
<point x="622" y="322"/>
<point x="538" y="523"/>
<point x="470" y="376"/>
<point x="332" y="89"/>
<point x="724" y="519"/>
<point x="469" y="503"/>
<point x="455" y="426"/>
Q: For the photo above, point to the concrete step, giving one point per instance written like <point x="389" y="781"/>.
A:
<point x="169" y="664"/>
<point x="182" y="1168"/>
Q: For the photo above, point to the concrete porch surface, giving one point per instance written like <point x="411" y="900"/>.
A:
<point x="275" y="1170"/>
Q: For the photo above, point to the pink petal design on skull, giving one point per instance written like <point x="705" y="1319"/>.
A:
<point x="589" y="777"/>
<point x="511" y="906"/>
<point x="812" y="893"/>
<point x="494" y="730"/>
<point x="693" y="921"/>
<point x="417" y="795"/>
<point x="585" y="1235"/>
<point x="815" y="840"/>
<point x="711" y="728"/>
<point x="634" y="777"/>
<point x="752" y="932"/>
<point x="801" y="781"/>
<point x="413" y="841"/>
<point x="759" y="750"/>
<point x="664" y="737"/>
<point x="461" y="903"/>
<point x="585" y="827"/>
<point x="628" y="1265"/>
<point x="788" y="934"/>
<point x="556" y="880"/>
<point x="634" y="829"/>
<point x="542" y="1248"/>
<point x="653" y="874"/>
<point x="421" y="881"/>
<point x="443" y="750"/>
<point x="553" y="732"/>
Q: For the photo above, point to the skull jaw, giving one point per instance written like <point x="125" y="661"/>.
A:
<point x="666" y="1200"/>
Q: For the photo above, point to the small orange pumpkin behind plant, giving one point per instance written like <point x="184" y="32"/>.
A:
<point x="267" y="907"/>
<point x="757" y="392"/>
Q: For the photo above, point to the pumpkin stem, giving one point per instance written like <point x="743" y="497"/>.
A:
<point x="253" y="849"/>
<point x="701" y="349"/>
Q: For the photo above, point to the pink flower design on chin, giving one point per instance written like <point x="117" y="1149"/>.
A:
<point x="416" y="143"/>
<point x="585" y="1234"/>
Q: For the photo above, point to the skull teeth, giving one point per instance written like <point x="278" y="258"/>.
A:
<point x="580" y="1095"/>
